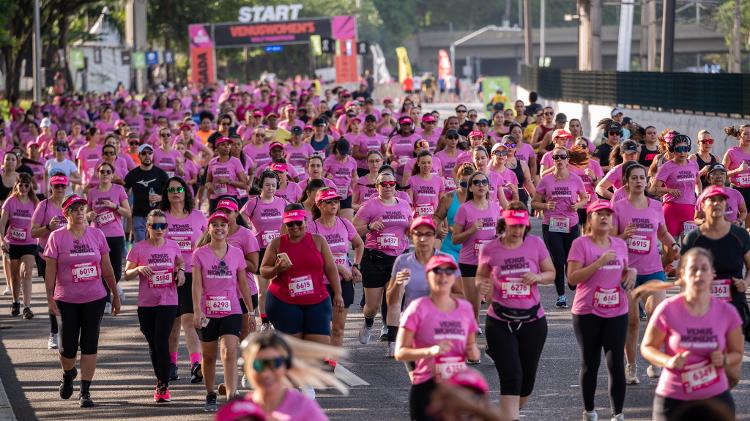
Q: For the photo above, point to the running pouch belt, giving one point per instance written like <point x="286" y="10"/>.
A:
<point x="515" y="315"/>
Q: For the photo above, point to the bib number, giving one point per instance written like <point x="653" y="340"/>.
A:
<point x="721" y="289"/>
<point x="341" y="259"/>
<point x="185" y="243"/>
<point x="342" y="191"/>
<point x="104" y="218"/>
<point x="387" y="241"/>
<point x="218" y="305"/>
<point x="424" y="210"/>
<point x="478" y="244"/>
<point x="607" y="297"/>
<point x="161" y="279"/>
<point x="301" y="285"/>
<point x="742" y="180"/>
<point x="220" y="188"/>
<point x="85" y="272"/>
<point x="446" y="367"/>
<point x="699" y="378"/>
<point x="639" y="244"/>
<point x="559" y="224"/>
<point x="17" y="233"/>
<point x="269" y="236"/>
<point x="514" y="289"/>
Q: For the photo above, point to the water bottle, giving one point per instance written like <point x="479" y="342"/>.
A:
<point x="151" y="192"/>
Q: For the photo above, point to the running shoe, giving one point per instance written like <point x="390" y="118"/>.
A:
<point x="590" y="416"/>
<point x="210" y="403"/>
<point x="308" y="391"/>
<point x="222" y="390"/>
<point x="52" y="342"/>
<point x="15" y="309"/>
<point x="84" y="400"/>
<point x="619" y="417"/>
<point x="266" y="327"/>
<point x="653" y="372"/>
<point x="562" y="302"/>
<point x="364" y="334"/>
<point x="391" y="353"/>
<point x="27" y="313"/>
<point x="161" y="394"/>
<point x="631" y="374"/>
<point x="6" y="291"/>
<point x="480" y="332"/>
<point x="244" y="382"/>
<point x="173" y="372"/>
<point x="66" y="384"/>
<point x="384" y="333"/>
<point x="196" y="373"/>
<point x="108" y="308"/>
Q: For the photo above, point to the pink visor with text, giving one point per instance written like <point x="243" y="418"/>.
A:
<point x="294" y="215"/>
<point x="516" y="217"/>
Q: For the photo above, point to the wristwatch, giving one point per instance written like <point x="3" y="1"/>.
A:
<point x="356" y="266"/>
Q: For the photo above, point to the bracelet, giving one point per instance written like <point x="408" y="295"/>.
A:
<point x="181" y="269"/>
<point x="356" y="266"/>
<point x="47" y="226"/>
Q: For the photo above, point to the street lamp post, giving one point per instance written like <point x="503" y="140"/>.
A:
<point x="470" y="36"/>
<point x="36" y="44"/>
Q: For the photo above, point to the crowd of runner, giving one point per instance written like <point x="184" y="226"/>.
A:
<point x="276" y="200"/>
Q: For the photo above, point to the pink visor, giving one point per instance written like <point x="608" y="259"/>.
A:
<point x="428" y="118"/>
<point x="476" y="133"/>
<point x="218" y="215"/>
<point x="294" y="215"/>
<point x="278" y="167"/>
<point x="405" y="120"/>
<point x="516" y="217"/>
<point x="227" y="204"/>
<point x="599" y="205"/>
<point x="471" y="379"/>
<point x="440" y="260"/>
<point x="326" y="194"/>
<point x="221" y="140"/>
<point x="240" y="409"/>
<point x="58" y="180"/>
<point x="72" y="200"/>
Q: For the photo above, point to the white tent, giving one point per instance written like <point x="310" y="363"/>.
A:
<point x="103" y="55"/>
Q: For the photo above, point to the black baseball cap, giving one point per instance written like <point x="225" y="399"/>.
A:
<point x="319" y="122"/>
<point x="629" y="146"/>
<point x="296" y="130"/>
<point x="371" y="118"/>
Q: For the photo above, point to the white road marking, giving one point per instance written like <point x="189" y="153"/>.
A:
<point x="346" y="376"/>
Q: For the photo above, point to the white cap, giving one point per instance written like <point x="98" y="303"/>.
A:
<point x="46" y="122"/>
<point x="616" y="111"/>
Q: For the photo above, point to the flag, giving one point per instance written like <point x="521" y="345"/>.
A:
<point x="379" y="70"/>
<point x="444" y="65"/>
<point x="404" y="65"/>
<point x="315" y="45"/>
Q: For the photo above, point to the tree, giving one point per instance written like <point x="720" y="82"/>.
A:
<point x="724" y="18"/>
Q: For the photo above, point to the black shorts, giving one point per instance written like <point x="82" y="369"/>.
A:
<point x="346" y="203"/>
<point x="254" y="300"/>
<point x="376" y="268"/>
<point x="347" y="292"/>
<point x="308" y="319"/>
<point x="185" y="296"/>
<point x="468" y="271"/>
<point x="79" y="327"/>
<point x="220" y="326"/>
<point x="16" y="251"/>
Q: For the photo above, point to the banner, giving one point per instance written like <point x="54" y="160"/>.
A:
<point x="379" y="69"/>
<point x="203" y="70"/>
<point x="345" y="62"/>
<point x="139" y="59"/>
<point x="76" y="58"/>
<point x="316" y="46"/>
<point x="247" y="34"/>
<point x="444" y="65"/>
<point x="404" y="65"/>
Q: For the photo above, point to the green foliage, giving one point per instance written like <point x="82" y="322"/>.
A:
<point x="724" y="18"/>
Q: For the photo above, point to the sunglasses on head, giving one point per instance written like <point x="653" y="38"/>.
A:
<point x="682" y="149"/>
<point x="294" y="224"/>
<point x="176" y="190"/>
<point x="387" y="184"/>
<point x="559" y="157"/>
<point x="259" y="365"/>
<point x="159" y="226"/>
<point x="482" y="182"/>
<point x="443" y="271"/>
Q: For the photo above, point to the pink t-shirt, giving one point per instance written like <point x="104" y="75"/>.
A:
<point x="736" y="157"/>
<point x="601" y="294"/>
<point x="265" y="218"/>
<point x="107" y="219"/>
<point x="167" y="160"/>
<point x="734" y="201"/>
<point x="432" y="326"/>
<point x="449" y="164"/>
<point x="191" y="170"/>
<point x="339" y="239"/>
<point x="244" y="240"/>
<point x="291" y="193"/>
<point x="466" y="215"/>
<point x="564" y="193"/>
<point x="403" y="147"/>
<point x="341" y="173"/>
<point x="38" y="175"/>
<point x="681" y="177"/>
<point x="643" y="248"/>
<point x="219" y="277"/>
<point x="524" y="151"/>
<point x="507" y="266"/>
<point x="159" y="289"/>
<point x="231" y="169"/>
<point x="327" y="181"/>
<point x="508" y="178"/>
<point x="588" y="183"/>
<point x="700" y="335"/>
<point x="258" y="153"/>
<point x="18" y="231"/>
<point x="426" y="194"/>
<point x="79" y="271"/>
<point x="366" y="144"/>
<point x="88" y="157"/>
<point x="297" y="155"/>
<point x="186" y="232"/>
<point x="297" y="406"/>
<point x="45" y="211"/>
<point x="614" y="176"/>
<point x="437" y="166"/>
<point x="396" y="219"/>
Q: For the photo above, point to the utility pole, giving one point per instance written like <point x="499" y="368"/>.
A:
<point x="596" y="35"/>
<point x="625" y="38"/>
<point x="667" y="36"/>
<point x="542" y="31"/>
<point x="584" y="35"/>
<point x="135" y="35"/>
<point x="36" y="44"/>
<point x="736" y="48"/>
<point x="652" y="35"/>
<point x="643" y="44"/>
<point x="528" y="51"/>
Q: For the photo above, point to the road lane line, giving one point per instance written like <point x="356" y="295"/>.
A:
<point x="346" y="376"/>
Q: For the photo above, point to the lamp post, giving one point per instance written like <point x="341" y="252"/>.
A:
<point x="470" y="36"/>
<point x="36" y="45"/>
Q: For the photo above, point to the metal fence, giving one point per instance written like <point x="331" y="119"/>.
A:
<point x="720" y="94"/>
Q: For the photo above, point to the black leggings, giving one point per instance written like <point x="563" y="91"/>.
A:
<point x="594" y="333"/>
<point x="82" y="320"/>
<point x="516" y="350"/>
<point x="156" y="325"/>
<point x="419" y="400"/>
<point x="558" y="244"/>
<point x="718" y="407"/>
<point x="41" y="266"/>
<point x="116" y="245"/>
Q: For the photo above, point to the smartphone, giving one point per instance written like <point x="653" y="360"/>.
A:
<point x="284" y="256"/>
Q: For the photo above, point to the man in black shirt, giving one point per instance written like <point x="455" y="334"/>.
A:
<point x="147" y="183"/>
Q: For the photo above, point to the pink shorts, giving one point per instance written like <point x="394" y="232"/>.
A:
<point x="675" y="214"/>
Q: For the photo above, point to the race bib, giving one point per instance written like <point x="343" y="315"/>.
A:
<point x="402" y="160"/>
<point x="185" y="243"/>
<point x="478" y="244"/>
<point x="301" y="285"/>
<point x="269" y="236"/>
<point x="559" y="224"/>
<point x="742" y="180"/>
<point x="161" y="279"/>
<point x="639" y="244"/>
<point x="514" y="289"/>
<point x="220" y="188"/>
<point x="446" y="367"/>
<point x="688" y="226"/>
<point x="387" y="241"/>
<point x="342" y="191"/>
<point x="450" y="184"/>
<point x="722" y="289"/>
<point x="697" y="378"/>
<point x="104" y="218"/>
<point x="16" y="233"/>
<point x="170" y="174"/>
<point x="607" y="297"/>
<point x="85" y="272"/>
<point x="424" y="210"/>
<point x="340" y="259"/>
<point x="218" y="305"/>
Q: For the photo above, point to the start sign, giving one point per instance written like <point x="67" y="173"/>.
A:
<point x="269" y="13"/>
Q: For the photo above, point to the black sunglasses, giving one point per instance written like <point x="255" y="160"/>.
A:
<point x="482" y="182"/>
<point x="259" y="365"/>
<point x="159" y="226"/>
<point x="294" y="224"/>
<point x="559" y="157"/>
<point x="443" y="271"/>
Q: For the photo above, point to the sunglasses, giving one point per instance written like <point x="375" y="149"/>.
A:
<point x="682" y="149"/>
<point x="387" y="184"/>
<point x="548" y="113"/>
<point x="27" y="185"/>
<point x="708" y="141"/>
<point x="460" y="111"/>
<point x="330" y="201"/>
<point x="463" y="184"/>
<point x="482" y="182"/>
<point x="259" y="365"/>
<point x="105" y="172"/>
<point x="501" y="153"/>
<point x="159" y="226"/>
<point x="176" y="190"/>
<point x="63" y="148"/>
<point x="443" y="271"/>
<point x="559" y="157"/>
<point x="614" y="133"/>
<point x="452" y="137"/>
<point x="294" y="224"/>
<point x="164" y="134"/>
<point x="511" y="145"/>
<point x="109" y="154"/>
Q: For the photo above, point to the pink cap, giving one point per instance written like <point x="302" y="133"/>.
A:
<point x="227" y="204"/>
<point x="562" y="133"/>
<point x="257" y="113"/>
<point x="387" y="100"/>
<point x="599" y="205"/>
<point x="516" y="217"/>
<point x="422" y="220"/>
<point x="713" y="191"/>
<point x="428" y="118"/>
<point x="221" y="140"/>
<point x="72" y="200"/>
<point x="405" y="120"/>
<point x="471" y="379"/>
<point x="58" y="180"/>
<point x="349" y="104"/>
<point x="308" y="127"/>
<point x="240" y="409"/>
<point x="184" y="126"/>
<point x="476" y="133"/>
<point x="217" y="215"/>
<point x="294" y="215"/>
<point x="275" y="145"/>
<point x="278" y="166"/>
<point x="439" y="260"/>
<point x="326" y="194"/>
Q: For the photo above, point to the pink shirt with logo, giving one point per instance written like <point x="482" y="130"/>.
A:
<point x="258" y="153"/>
<point x="736" y="157"/>
<point x="338" y="237"/>
<point x="167" y="160"/>
<point x="432" y="326"/>
<point x="588" y="183"/>
<point x="508" y="266"/>
<point x="245" y="240"/>
<point x="291" y="193"/>
<point x="700" y="335"/>
<point x="230" y="169"/>
<point x="341" y="173"/>
<point x="396" y="219"/>
<point x="297" y="406"/>
<point x="466" y="215"/>
<point x="524" y="151"/>
<point x="45" y="211"/>
<point x="449" y="164"/>
<point x="601" y="294"/>
<point x="18" y="231"/>
<point x="426" y="193"/>
<point x="680" y="177"/>
<point x="79" y="271"/>
<point x="508" y="178"/>
<point x="614" y="176"/>
<point x="564" y="193"/>
<point x="88" y="157"/>
<point x="220" y="297"/>
<point x="107" y="219"/>
<point x="186" y="232"/>
<point x="732" y="211"/>
<point x="265" y="218"/>
<point x="366" y="144"/>
<point x="643" y="246"/>
<point x="159" y="289"/>
<point x="297" y="155"/>
<point x="402" y="147"/>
